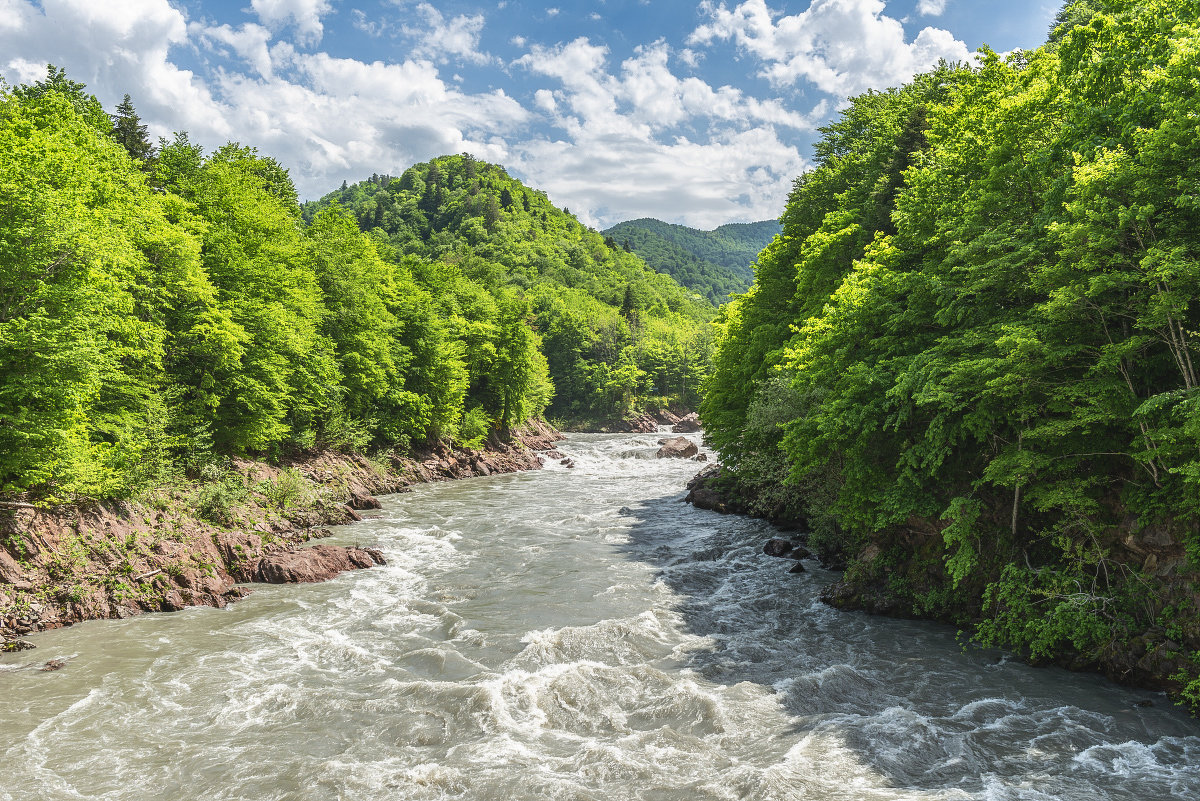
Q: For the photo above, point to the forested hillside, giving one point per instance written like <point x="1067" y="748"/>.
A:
<point x="164" y="307"/>
<point x="616" y="334"/>
<point x="970" y="351"/>
<point x="714" y="263"/>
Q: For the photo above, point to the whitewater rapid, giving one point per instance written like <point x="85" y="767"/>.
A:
<point x="574" y="634"/>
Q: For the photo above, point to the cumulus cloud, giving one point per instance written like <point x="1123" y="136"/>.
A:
<point x="624" y="152"/>
<point x="325" y="118"/>
<point x="844" y="47"/>
<point x="250" y="42"/>
<point x="931" y="8"/>
<point x="609" y="140"/>
<point x="734" y="175"/>
<point x="439" y="39"/>
<point x="114" y="48"/>
<point x="304" y="14"/>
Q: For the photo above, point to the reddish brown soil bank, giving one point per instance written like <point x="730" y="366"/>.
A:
<point x="195" y="543"/>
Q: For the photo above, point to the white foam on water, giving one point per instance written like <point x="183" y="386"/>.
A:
<point x="569" y="634"/>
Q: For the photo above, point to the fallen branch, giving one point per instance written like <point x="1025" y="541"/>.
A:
<point x="147" y="575"/>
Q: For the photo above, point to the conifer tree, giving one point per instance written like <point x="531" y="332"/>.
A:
<point x="129" y="131"/>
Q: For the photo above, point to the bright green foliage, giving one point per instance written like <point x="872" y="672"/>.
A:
<point x="714" y="263"/>
<point x="256" y="255"/>
<point x="385" y="334"/>
<point x="984" y="299"/>
<point x="169" y="310"/>
<point x="173" y="310"/>
<point x="92" y="267"/>
<point x="612" y="334"/>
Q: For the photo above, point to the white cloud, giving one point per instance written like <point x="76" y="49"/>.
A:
<point x="113" y="48"/>
<point x="931" y="8"/>
<point x="304" y="14"/>
<point x="371" y="27"/>
<point x="844" y="47"/>
<point x="623" y="153"/>
<point x="609" y="140"/>
<point x="324" y="118"/>
<point x="646" y="94"/>
<point x="544" y="99"/>
<point x="606" y="179"/>
<point x="250" y="42"/>
<point x="552" y="12"/>
<point x="440" y="39"/>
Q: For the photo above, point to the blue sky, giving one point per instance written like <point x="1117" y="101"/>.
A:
<point x="694" y="112"/>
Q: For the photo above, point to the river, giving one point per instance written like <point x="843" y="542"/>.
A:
<point x="566" y="634"/>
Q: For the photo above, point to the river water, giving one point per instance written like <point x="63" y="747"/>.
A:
<point x="565" y="634"/>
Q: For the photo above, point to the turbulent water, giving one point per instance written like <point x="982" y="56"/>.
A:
<point x="565" y="634"/>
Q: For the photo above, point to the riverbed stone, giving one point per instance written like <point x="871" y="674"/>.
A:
<point x="360" y="499"/>
<point x="777" y="546"/>
<point x="677" y="448"/>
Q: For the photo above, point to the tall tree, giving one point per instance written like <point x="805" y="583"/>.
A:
<point x="129" y="131"/>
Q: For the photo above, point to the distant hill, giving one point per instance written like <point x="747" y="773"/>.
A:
<point x="713" y="263"/>
<point x="618" y="337"/>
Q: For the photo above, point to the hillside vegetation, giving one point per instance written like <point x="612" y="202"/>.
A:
<point x="971" y="349"/>
<point x="162" y="309"/>
<point x="714" y="263"/>
<point x="616" y="335"/>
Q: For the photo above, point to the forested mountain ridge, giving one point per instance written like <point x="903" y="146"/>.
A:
<point x="163" y="309"/>
<point x="972" y="351"/>
<point x="616" y="334"/>
<point x="715" y="263"/>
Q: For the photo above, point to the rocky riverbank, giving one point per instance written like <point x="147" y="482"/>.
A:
<point x="1157" y="650"/>
<point x="196" y="543"/>
<point x="680" y="421"/>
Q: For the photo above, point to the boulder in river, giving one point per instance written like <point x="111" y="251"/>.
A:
<point x="785" y="549"/>
<point x="677" y="448"/>
<point x="777" y="547"/>
<point x="687" y="425"/>
<point x="360" y="499"/>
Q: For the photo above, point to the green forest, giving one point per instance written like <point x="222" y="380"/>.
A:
<point x="714" y="263"/>
<point x="969" y="351"/>
<point x="161" y="307"/>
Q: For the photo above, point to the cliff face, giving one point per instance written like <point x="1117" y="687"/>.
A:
<point x="1151" y="643"/>
<point x="195" y="543"/>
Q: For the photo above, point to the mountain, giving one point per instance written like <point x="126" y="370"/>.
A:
<point x="713" y="263"/>
<point x="617" y="335"/>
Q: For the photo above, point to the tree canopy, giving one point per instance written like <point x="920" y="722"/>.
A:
<point x="160" y="307"/>
<point x="971" y="346"/>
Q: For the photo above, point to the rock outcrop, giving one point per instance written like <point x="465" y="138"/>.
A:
<point x="666" y="417"/>
<point x="116" y="559"/>
<point x="687" y="425"/>
<point x="318" y="563"/>
<point x="676" y="448"/>
<point x="704" y="494"/>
